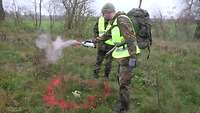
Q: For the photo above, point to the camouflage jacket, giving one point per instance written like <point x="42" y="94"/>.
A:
<point x="127" y="31"/>
<point x="100" y="45"/>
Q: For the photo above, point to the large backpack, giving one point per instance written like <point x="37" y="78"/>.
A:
<point x="142" y="26"/>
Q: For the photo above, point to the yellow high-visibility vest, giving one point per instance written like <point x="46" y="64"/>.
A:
<point x="122" y="51"/>
<point x="102" y="29"/>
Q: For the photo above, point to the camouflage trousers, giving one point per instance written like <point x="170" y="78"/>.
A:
<point x="124" y="79"/>
<point x="101" y="55"/>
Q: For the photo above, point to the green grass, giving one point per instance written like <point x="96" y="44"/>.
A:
<point x="173" y="69"/>
<point x="173" y="29"/>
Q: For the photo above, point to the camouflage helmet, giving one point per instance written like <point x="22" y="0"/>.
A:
<point x="108" y="7"/>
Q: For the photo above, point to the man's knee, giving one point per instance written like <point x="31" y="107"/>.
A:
<point x="125" y="75"/>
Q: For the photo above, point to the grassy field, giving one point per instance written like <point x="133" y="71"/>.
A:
<point x="166" y="83"/>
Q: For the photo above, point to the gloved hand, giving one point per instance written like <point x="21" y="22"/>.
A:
<point x="132" y="62"/>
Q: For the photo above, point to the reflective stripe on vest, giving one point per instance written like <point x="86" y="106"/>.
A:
<point x="102" y="29"/>
<point x="122" y="51"/>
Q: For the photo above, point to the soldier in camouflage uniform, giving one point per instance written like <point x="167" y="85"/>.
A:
<point x="123" y="36"/>
<point x="104" y="46"/>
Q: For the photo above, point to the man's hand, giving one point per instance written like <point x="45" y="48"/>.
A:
<point x="98" y="38"/>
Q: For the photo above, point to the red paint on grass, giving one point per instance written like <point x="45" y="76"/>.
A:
<point x="107" y="89"/>
<point x="50" y="97"/>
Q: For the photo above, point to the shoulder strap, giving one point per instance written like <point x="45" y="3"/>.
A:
<point x="115" y="17"/>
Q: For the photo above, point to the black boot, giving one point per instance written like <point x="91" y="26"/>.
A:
<point x="124" y="98"/>
<point x="106" y="76"/>
<point x="96" y="75"/>
<point x="119" y="108"/>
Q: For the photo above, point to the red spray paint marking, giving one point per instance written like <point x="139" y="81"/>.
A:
<point x="50" y="97"/>
<point x="107" y="89"/>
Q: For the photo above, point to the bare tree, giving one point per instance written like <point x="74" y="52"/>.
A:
<point x="190" y="13"/>
<point x="75" y="10"/>
<point x="55" y="10"/>
<point x="52" y="6"/>
<point x="2" y="13"/>
<point x="16" y="12"/>
<point x="40" y="7"/>
<point x="70" y="6"/>
<point x="36" y="16"/>
<point x="161" y="25"/>
<point x="187" y="13"/>
<point x="31" y="15"/>
<point x="197" y="30"/>
<point x="197" y="18"/>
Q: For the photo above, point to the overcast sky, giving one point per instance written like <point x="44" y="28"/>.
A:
<point x="167" y="7"/>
